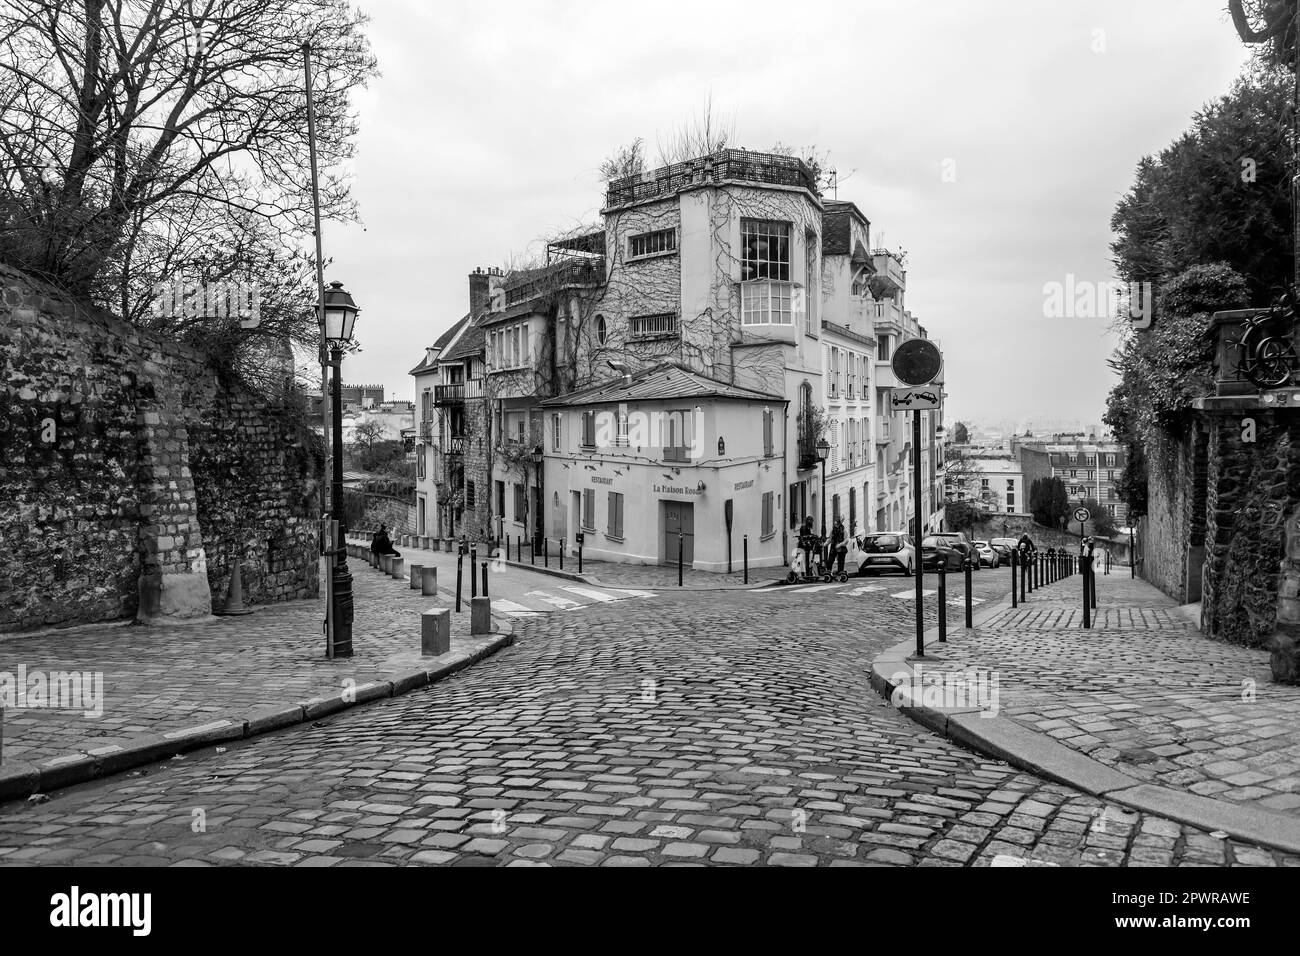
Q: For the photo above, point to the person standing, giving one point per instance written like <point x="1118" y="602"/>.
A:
<point x="839" y="546"/>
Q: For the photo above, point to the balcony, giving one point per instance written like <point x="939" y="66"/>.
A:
<point x="426" y="431"/>
<point x="445" y="395"/>
<point x="726" y="165"/>
<point x="889" y="279"/>
<point x="562" y="275"/>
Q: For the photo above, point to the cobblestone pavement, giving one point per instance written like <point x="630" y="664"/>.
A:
<point x="1143" y="692"/>
<point x="703" y="733"/>
<point x="165" y="677"/>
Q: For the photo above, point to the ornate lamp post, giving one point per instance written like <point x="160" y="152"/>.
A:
<point x="340" y="317"/>
<point x="538" y="457"/>
<point x="823" y="452"/>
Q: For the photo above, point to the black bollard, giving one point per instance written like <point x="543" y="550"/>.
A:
<point x="546" y="552"/>
<point x="746" y="556"/>
<point x="485" y="579"/>
<point x="1087" y="591"/>
<point x="943" y="602"/>
<point x="1092" y="577"/>
<point x="968" y="597"/>
<point x="532" y="551"/>
<point x="580" y="555"/>
<point x="561" y="554"/>
<point x="1024" y="573"/>
<point x="460" y="561"/>
<point x="473" y="578"/>
<point x="1013" y="578"/>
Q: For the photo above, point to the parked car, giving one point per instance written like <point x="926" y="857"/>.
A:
<point x="988" y="557"/>
<point x="958" y="540"/>
<point x="939" y="551"/>
<point x="884" y="551"/>
<point x="1004" y="547"/>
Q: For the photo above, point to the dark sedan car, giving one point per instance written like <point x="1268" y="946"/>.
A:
<point x="937" y="552"/>
<point x="1004" y="547"/>
<point x="959" y="541"/>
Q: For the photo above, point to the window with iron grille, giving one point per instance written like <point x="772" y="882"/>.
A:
<point x="644" y="326"/>
<point x="615" y="527"/>
<point x="657" y="243"/>
<point x="765" y="250"/>
<point x="588" y="509"/>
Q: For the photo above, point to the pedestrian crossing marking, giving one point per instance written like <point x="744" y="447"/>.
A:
<point x="867" y="589"/>
<point x="632" y="592"/>
<point x="554" y="600"/>
<point x="589" y="593"/>
<point x="513" y="609"/>
<point x="961" y="602"/>
<point x="911" y="595"/>
<point x="818" y="587"/>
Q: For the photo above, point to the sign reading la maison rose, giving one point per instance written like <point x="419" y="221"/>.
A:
<point x="677" y="490"/>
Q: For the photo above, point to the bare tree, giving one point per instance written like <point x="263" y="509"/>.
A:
<point x="140" y="138"/>
<point x="700" y="135"/>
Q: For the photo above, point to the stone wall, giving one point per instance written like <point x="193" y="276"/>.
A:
<point x="1252" y="575"/>
<point x="1166" y="530"/>
<point x="133" y="472"/>
<point x="369" y="511"/>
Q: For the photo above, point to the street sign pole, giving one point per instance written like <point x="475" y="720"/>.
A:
<point x="920" y="567"/>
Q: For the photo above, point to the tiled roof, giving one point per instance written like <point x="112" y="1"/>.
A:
<point x="469" y="344"/>
<point x="667" y="381"/>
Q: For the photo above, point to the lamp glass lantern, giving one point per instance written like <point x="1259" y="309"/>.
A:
<point x="823" y="449"/>
<point x="340" y="316"/>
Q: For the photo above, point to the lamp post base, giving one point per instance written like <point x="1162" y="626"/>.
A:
<point x="341" y="595"/>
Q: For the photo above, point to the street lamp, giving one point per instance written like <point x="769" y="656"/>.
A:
<point x="823" y="452"/>
<point x="538" y="457"/>
<point x="340" y="316"/>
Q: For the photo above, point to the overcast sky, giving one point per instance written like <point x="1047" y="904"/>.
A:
<point x="488" y="124"/>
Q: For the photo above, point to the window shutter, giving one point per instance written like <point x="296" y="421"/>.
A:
<point x="767" y="434"/>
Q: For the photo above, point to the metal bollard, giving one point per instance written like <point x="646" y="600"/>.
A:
<point x="460" y="561"/>
<point x="546" y="552"/>
<point x="681" y="545"/>
<point x="746" y="554"/>
<point x="561" y="554"/>
<point x="428" y="580"/>
<point x="473" y="578"/>
<point x="1084" y="563"/>
<point x="1092" y="576"/>
<point x="968" y="596"/>
<point x="943" y="603"/>
<point x="579" y="555"/>
<point x="485" y="589"/>
<point x="1013" y="578"/>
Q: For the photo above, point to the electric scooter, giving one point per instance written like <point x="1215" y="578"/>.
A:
<point x="819" y="571"/>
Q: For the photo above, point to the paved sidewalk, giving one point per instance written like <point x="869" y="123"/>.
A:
<point x="1142" y="692"/>
<point x="165" y="685"/>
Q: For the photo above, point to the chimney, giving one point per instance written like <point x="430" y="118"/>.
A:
<point x="480" y="293"/>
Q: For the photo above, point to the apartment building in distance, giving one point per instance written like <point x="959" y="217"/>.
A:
<point x="1089" y="468"/>
<point x="660" y="383"/>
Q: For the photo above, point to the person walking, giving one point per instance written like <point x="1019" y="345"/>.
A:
<point x="807" y="541"/>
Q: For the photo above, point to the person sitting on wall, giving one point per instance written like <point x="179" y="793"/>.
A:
<point x="382" y="544"/>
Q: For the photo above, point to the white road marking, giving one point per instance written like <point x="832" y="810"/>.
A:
<point x="513" y="609"/>
<point x="911" y="595"/>
<point x="866" y="590"/>
<point x="589" y="593"/>
<point x="961" y="602"/>
<point x="554" y="600"/>
<point x="632" y="592"/>
<point x="819" y="587"/>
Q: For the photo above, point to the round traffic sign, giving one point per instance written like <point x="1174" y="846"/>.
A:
<point x="1082" y="514"/>
<point x="917" y="362"/>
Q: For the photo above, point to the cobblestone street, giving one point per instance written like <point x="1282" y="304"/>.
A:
<point x="700" y="733"/>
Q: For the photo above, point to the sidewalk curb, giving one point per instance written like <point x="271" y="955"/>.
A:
<point x="1011" y="742"/>
<point x="19" y="778"/>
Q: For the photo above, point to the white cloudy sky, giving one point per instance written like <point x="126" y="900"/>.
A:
<point x="490" y="120"/>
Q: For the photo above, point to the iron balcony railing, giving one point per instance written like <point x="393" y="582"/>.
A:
<point x="456" y="394"/>
<point x="737" y="165"/>
<point x="552" y="278"/>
